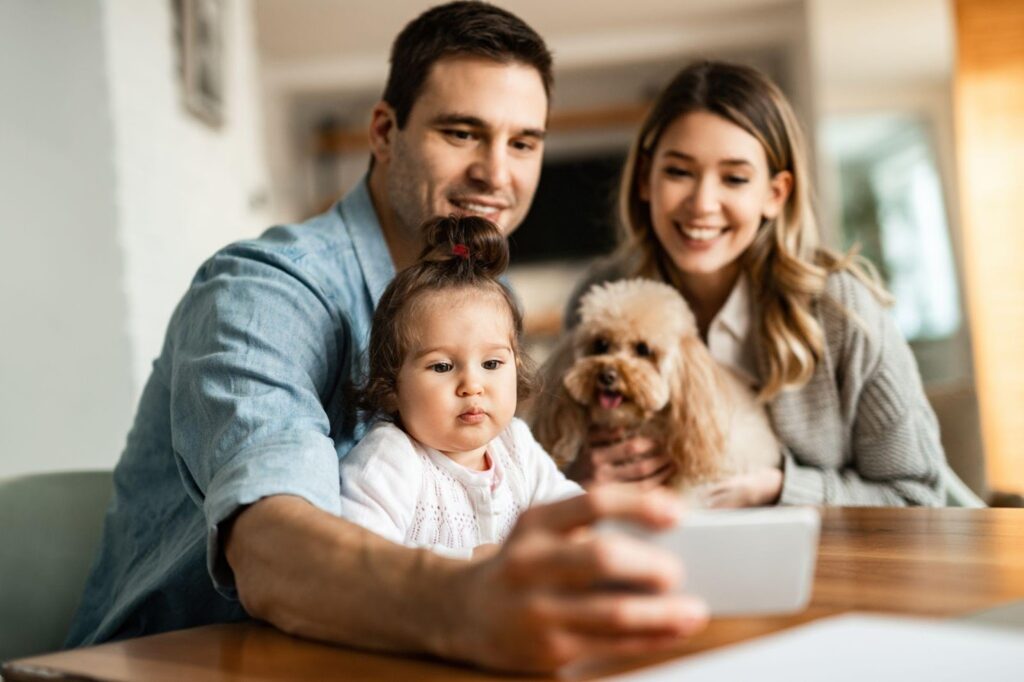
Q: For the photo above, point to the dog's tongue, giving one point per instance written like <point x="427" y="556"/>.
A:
<point x="609" y="400"/>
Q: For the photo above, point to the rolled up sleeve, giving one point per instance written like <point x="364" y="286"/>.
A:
<point x="256" y="351"/>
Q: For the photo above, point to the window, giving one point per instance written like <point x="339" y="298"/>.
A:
<point x="891" y="202"/>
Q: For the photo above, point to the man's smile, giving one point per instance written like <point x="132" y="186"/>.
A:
<point x="481" y="206"/>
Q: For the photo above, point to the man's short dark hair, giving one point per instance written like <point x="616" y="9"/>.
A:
<point x="459" y="28"/>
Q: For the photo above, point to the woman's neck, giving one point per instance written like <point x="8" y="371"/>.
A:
<point x="706" y="293"/>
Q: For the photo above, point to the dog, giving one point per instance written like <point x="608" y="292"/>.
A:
<point x="636" y="361"/>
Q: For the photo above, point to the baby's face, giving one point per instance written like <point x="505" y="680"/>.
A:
<point x="457" y="385"/>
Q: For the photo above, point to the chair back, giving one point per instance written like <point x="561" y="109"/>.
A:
<point x="956" y="408"/>
<point x="49" y="529"/>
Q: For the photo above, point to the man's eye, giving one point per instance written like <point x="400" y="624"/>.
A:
<point x="524" y="145"/>
<point x="440" y="367"/>
<point x="458" y="134"/>
<point x="643" y="350"/>
<point x="492" y="364"/>
<point x="600" y="346"/>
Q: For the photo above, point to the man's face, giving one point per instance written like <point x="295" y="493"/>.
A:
<point x="472" y="145"/>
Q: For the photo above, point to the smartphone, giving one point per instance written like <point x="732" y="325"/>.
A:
<point x="742" y="562"/>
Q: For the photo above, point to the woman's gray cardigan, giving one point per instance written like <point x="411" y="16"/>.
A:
<point x="861" y="432"/>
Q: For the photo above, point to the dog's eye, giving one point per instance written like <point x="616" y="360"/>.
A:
<point x="600" y="347"/>
<point x="643" y="350"/>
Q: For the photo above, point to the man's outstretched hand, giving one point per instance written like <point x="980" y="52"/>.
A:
<point x="557" y="592"/>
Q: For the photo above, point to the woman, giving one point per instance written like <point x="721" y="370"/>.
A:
<point x="715" y="200"/>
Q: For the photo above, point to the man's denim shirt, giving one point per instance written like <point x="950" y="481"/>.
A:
<point x="245" y="401"/>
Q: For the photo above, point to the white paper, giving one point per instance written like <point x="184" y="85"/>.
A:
<point x="858" y="648"/>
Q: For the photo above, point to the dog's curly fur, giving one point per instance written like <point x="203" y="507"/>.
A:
<point x="636" y="361"/>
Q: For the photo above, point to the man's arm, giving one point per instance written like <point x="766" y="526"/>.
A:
<point x="534" y="606"/>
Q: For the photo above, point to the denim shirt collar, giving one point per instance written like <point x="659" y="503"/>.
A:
<point x="371" y="250"/>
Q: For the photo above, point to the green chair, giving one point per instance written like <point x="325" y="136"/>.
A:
<point x="49" y="528"/>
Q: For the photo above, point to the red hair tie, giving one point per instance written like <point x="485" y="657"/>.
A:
<point x="460" y="250"/>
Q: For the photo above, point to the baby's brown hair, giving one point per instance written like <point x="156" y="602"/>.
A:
<point x="461" y="254"/>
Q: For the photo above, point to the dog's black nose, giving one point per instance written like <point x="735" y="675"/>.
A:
<point x="607" y="377"/>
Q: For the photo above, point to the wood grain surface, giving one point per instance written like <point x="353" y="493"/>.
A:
<point x="928" y="562"/>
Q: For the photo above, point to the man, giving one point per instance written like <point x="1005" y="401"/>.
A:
<point x="226" y="497"/>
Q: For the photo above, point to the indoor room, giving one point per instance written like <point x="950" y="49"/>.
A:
<point x="140" y="138"/>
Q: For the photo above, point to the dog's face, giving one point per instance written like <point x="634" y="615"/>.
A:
<point x="627" y="346"/>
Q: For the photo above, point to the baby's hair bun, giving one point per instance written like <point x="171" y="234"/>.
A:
<point x="467" y="243"/>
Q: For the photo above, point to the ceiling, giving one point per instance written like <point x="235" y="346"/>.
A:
<point x="317" y="29"/>
<point x="330" y="45"/>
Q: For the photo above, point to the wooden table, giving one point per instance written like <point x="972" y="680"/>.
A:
<point x="933" y="562"/>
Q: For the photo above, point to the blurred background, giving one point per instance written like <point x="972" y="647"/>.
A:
<point x="139" y="136"/>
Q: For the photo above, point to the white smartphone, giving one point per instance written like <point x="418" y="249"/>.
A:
<point x="742" y="562"/>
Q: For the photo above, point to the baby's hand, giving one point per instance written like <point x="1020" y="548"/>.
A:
<point x="752" y="489"/>
<point x="485" y="551"/>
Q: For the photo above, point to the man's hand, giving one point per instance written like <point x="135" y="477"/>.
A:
<point x="546" y="599"/>
<point x="614" y="457"/>
<point x="543" y="600"/>
<point x="753" y="489"/>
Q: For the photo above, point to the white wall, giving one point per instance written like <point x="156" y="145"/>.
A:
<point x="877" y="56"/>
<point x="184" y="189"/>
<point x="65" y="371"/>
<point x="111" y="195"/>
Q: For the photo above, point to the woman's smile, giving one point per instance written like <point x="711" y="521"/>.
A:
<point x="700" y="236"/>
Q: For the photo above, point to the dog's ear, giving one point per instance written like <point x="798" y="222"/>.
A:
<point x="695" y="437"/>
<point x="558" y="422"/>
<point x="560" y="427"/>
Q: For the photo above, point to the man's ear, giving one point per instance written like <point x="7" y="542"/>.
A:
<point x="383" y="125"/>
<point x="778" y="192"/>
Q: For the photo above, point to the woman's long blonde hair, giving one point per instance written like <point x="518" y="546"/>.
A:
<point x="786" y="264"/>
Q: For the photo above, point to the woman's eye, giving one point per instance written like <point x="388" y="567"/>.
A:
<point x="678" y="172"/>
<point x="736" y="180"/>
<point x="441" y="367"/>
<point x="600" y="347"/>
<point x="643" y="350"/>
<point x="492" y="364"/>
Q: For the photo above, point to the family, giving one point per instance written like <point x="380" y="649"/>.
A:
<point x="328" y="440"/>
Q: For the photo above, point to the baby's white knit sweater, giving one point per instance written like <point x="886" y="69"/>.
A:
<point x="415" y="496"/>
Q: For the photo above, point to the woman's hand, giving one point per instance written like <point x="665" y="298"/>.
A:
<point x="613" y="456"/>
<point x="753" y="489"/>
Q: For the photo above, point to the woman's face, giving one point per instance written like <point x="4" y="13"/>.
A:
<point x="708" y="187"/>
